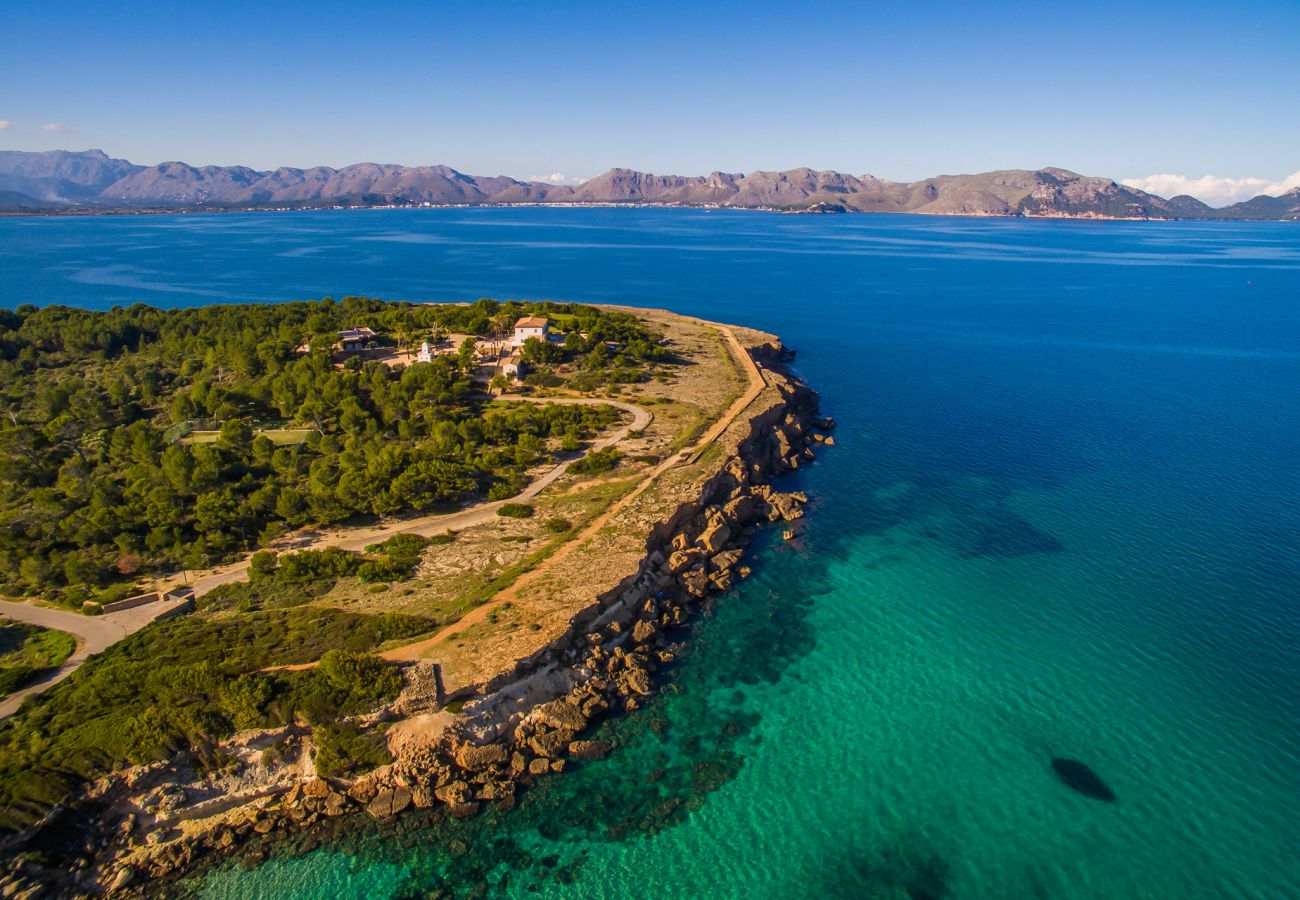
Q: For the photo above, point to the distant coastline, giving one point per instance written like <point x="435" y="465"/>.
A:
<point x="90" y="182"/>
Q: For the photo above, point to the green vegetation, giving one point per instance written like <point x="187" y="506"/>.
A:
<point x="97" y="490"/>
<point x="184" y="683"/>
<point x="27" y="652"/>
<point x="344" y="749"/>
<point x="558" y="525"/>
<point x="596" y="462"/>
<point x="515" y="510"/>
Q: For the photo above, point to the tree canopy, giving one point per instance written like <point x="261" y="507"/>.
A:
<point x="99" y="485"/>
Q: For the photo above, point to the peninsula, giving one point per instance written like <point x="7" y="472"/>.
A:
<point x="501" y="519"/>
<point x="91" y="181"/>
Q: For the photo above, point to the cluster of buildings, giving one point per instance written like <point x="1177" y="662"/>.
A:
<point x="502" y="361"/>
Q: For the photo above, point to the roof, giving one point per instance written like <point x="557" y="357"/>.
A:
<point x="532" y="322"/>
<point x="362" y="332"/>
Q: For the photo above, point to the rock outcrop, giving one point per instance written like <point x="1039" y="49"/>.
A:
<point x="608" y="661"/>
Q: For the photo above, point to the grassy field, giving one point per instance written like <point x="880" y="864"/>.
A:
<point x="26" y="651"/>
<point x="279" y="436"/>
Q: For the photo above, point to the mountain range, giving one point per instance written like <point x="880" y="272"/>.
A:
<point x="90" y="180"/>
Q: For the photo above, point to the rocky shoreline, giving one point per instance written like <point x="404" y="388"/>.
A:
<point x="507" y="732"/>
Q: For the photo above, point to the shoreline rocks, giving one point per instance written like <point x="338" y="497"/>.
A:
<point x="604" y="664"/>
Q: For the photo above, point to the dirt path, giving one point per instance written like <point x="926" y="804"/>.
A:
<point x="427" y="526"/>
<point x="479" y="613"/>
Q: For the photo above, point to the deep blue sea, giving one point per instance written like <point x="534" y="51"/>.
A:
<point x="1062" y="518"/>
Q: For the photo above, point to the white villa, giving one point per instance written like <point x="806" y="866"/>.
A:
<point x="351" y="340"/>
<point x="425" y="354"/>
<point x="530" y="327"/>
<point x="354" y="340"/>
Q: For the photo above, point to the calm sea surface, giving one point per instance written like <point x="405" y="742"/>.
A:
<point x="1062" y="519"/>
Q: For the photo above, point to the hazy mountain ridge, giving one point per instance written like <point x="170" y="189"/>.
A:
<point x="67" y="180"/>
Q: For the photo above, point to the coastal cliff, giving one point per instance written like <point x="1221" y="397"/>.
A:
<point x="461" y="746"/>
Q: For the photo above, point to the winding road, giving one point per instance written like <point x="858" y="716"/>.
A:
<point x="93" y="634"/>
<point x="427" y="526"/>
<point x="757" y="382"/>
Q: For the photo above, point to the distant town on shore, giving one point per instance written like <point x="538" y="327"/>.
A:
<point x="90" y="181"/>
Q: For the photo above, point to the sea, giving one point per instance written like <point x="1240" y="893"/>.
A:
<point x="1061" y="520"/>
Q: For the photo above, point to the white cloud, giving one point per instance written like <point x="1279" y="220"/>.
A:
<point x="4" y="123"/>
<point x="556" y="178"/>
<point x="1212" y="189"/>
<point x="55" y="126"/>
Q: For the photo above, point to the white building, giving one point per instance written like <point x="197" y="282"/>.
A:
<point x="509" y="365"/>
<point x="354" y="340"/>
<point x="530" y="327"/>
<point x="425" y="354"/>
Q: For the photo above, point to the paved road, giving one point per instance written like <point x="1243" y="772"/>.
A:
<point x="93" y="634"/>
<point x="427" y="526"/>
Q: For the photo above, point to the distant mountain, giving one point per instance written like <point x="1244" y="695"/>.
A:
<point x="91" y="180"/>
<point x="61" y="176"/>
<point x="1285" y="207"/>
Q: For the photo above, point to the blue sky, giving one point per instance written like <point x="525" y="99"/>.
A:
<point x="901" y="91"/>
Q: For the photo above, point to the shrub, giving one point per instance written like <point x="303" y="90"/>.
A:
<point x="515" y="510"/>
<point x="596" y="462"/>
<point x="344" y="749"/>
<point x="558" y="524"/>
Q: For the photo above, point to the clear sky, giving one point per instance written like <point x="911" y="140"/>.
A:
<point x="901" y="91"/>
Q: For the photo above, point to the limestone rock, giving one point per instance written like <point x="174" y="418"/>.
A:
<point x="715" y="537"/>
<point x="589" y="749"/>
<point x="472" y="757"/>
<point x="551" y="745"/>
<point x="562" y="713"/>
<point x="454" y="793"/>
<point x="389" y="802"/>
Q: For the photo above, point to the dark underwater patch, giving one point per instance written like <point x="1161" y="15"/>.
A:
<point x="909" y="869"/>
<point x="1001" y="533"/>
<point x="1079" y="777"/>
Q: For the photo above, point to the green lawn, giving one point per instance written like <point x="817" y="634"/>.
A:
<point x="26" y="651"/>
<point x="279" y="436"/>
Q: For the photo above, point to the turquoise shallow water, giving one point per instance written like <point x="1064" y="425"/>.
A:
<point x="1060" y="520"/>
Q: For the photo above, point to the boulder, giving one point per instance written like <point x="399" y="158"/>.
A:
<point x="638" y="681"/>
<point x="455" y="792"/>
<point x="552" y="744"/>
<point x="715" y="537"/>
<point x="539" y="767"/>
<point x="561" y="714"/>
<point x="469" y="756"/>
<point x="589" y="749"/>
<point x="316" y="788"/>
<point x="389" y="802"/>
<point x="726" y="559"/>
<point x="680" y="561"/>
<point x="463" y="810"/>
<point x="696" y="582"/>
<point x="643" y="631"/>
